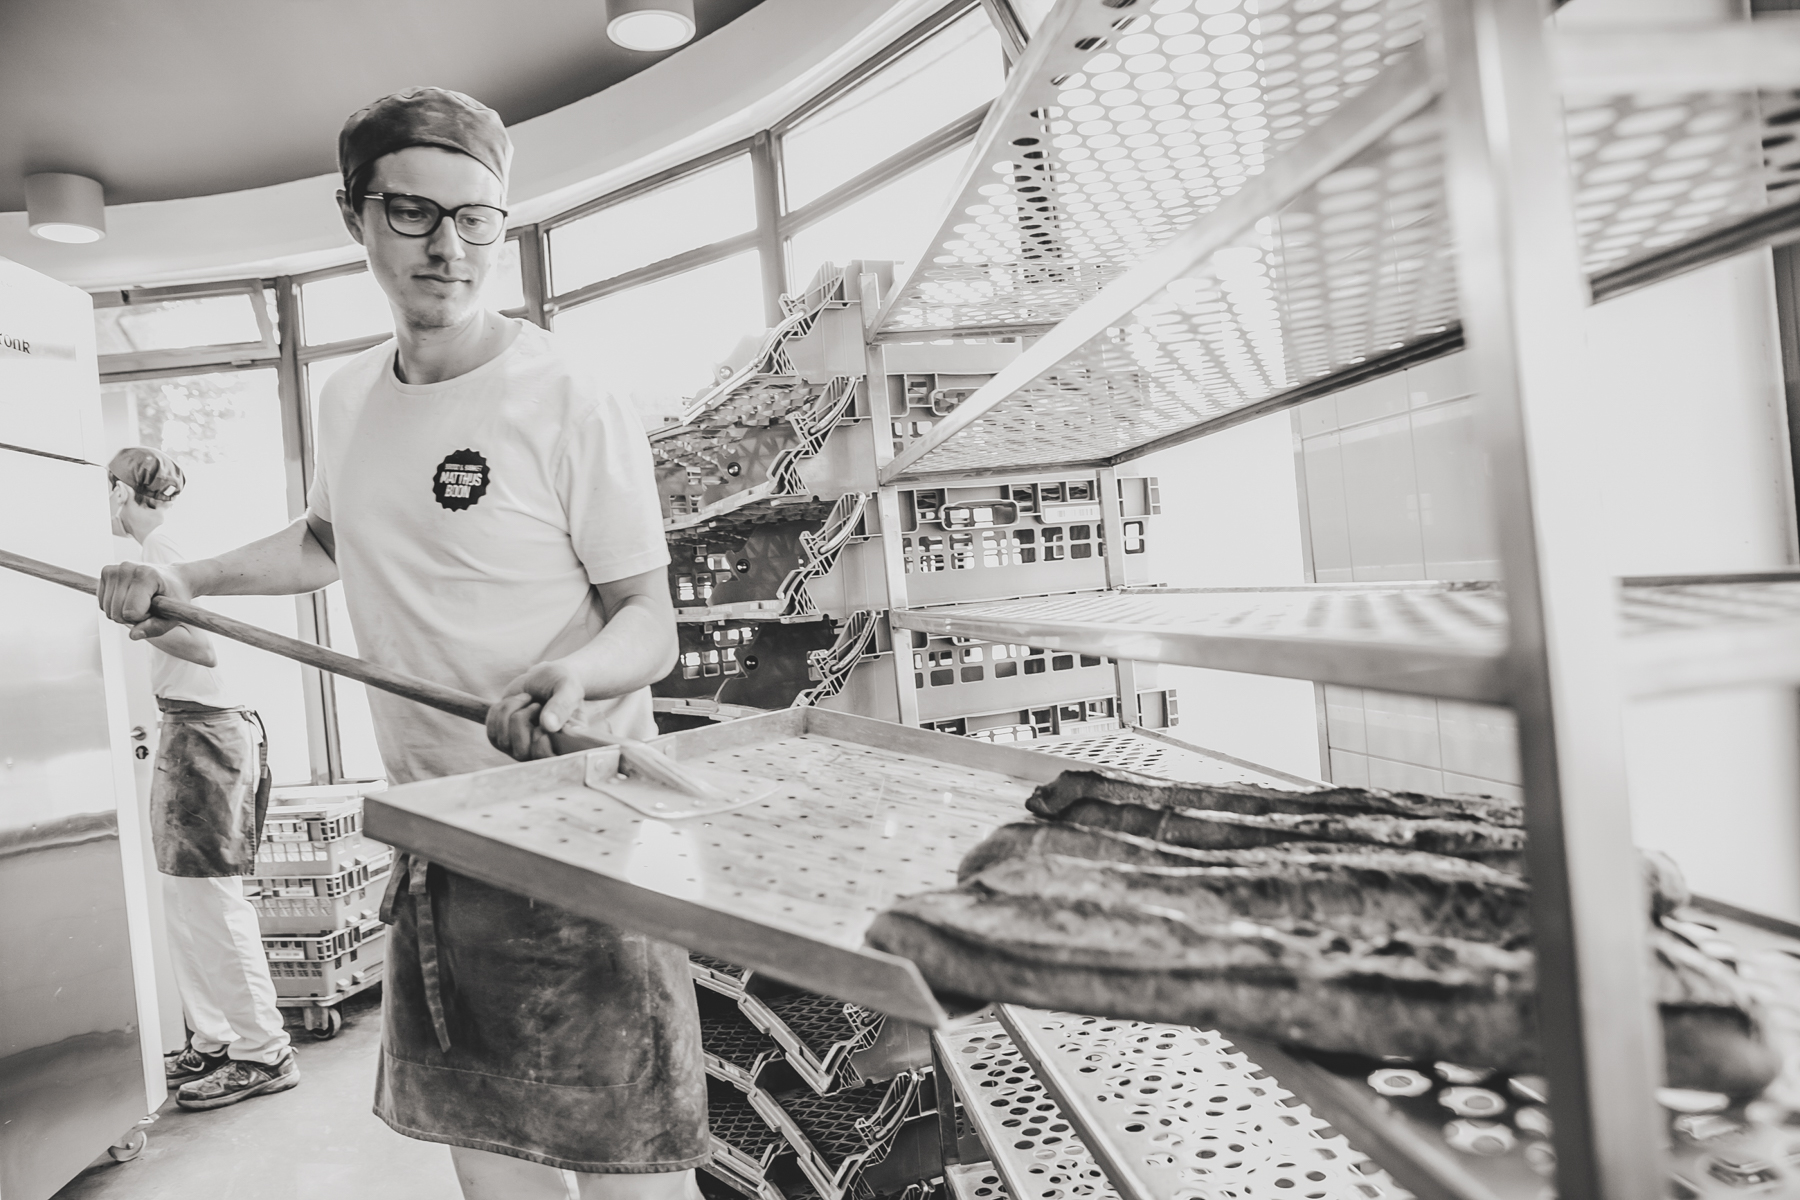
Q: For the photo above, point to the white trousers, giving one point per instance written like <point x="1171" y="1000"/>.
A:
<point x="226" y="994"/>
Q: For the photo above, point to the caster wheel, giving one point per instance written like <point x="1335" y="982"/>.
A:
<point x="129" y="1146"/>
<point x="330" y="1021"/>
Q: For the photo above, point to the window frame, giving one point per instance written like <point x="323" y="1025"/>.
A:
<point x="283" y="348"/>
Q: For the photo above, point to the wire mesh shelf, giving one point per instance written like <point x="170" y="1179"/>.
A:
<point x="1433" y="639"/>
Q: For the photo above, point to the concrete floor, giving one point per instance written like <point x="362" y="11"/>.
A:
<point x="316" y="1142"/>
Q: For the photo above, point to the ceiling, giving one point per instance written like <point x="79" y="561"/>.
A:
<point x="180" y="98"/>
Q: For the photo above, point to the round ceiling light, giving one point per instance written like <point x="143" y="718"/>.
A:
<point x="650" y="25"/>
<point x="65" y="208"/>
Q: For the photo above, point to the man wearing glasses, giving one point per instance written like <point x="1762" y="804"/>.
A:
<point x="494" y="521"/>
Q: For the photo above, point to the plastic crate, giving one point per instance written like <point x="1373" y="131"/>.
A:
<point x="988" y="540"/>
<point x="317" y="947"/>
<point x="323" y="979"/>
<point x="313" y="839"/>
<point x="319" y="903"/>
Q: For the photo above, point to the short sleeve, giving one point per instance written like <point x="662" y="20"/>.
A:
<point x="609" y="493"/>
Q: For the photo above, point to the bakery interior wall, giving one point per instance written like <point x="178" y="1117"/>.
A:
<point x="1694" y="478"/>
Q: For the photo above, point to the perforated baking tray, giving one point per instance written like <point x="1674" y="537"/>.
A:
<point x="865" y="812"/>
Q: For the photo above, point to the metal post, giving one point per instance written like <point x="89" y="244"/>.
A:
<point x="1522" y="298"/>
<point x="1112" y="528"/>
<point x="765" y="164"/>
<point x="297" y="455"/>
<point x="534" y="273"/>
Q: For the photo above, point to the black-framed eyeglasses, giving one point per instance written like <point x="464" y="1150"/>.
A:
<point x="417" y="217"/>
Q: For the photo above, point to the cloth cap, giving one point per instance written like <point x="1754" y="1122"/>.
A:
<point x="153" y="475"/>
<point x="425" y="116"/>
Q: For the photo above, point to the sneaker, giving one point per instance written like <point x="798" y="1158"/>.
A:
<point x="189" y="1063"/>
<point x="238" y="1080"/>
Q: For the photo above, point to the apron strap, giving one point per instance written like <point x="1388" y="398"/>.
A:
<point x="412" y="874"/>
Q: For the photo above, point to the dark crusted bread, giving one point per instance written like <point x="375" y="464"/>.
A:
<point x="1497" y="845"/>
<point x="1024" y="838"/>
<point x="1350" y="895"/>
<point x="1713" y="1037"/>
<point x="1406" y="995"/>
<point x="1127" y="787"/>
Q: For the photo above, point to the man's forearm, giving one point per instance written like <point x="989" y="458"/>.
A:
<point x="637" y="648"/>
<point x="287" y="563"/>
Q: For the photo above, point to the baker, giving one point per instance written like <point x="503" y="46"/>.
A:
<point x="493" y="518"/>
<point x="207" y="800"/>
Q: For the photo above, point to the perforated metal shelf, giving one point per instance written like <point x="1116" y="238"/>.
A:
<point x="1117" y="128"/>
<point x="1425" y="638"/>
<point x="1483" y="1136"/>
<point x="1160" y="756"/>
<point x="861" y="812"/>
<point x="1034" y="1148"/>
<point x="1167" y="1108"/>
<point x="977" y="1181"/>
<point x="1227" y="293"/>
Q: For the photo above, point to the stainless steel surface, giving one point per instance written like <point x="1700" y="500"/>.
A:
<point x="1170" y="1108"/>
<point x="1157" y="754"/>
<point x="1114" y="132"/>
<point x="1190" y="332"/>
<point x="1521" y="292"/>
<point x="976" y="1181"/>
<point x="1421" y="1119"/>
<point x="1033" y="1147"/>
<point x="1358" y="267"/>
<point x="866" y="812"/>
<point x="1425" y="638"/>
<point x="72" y="1065"/>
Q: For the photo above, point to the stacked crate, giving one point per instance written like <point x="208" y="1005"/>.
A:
<point x="787" y="552"/>
<point x="809" y="1096"/>
<point x="317" y="894"/>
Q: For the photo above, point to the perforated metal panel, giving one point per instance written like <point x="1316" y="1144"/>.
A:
<point x="1133" y="750"/>
<point x="1355" y="267"/>
<point x="1431" y="639"/>
<point x="1119" y="127"/>
<point x="1035" y="1149"/>
<point x="1172" y="1110"/>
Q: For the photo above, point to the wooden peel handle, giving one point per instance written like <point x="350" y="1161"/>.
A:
<point x="432" y="695"/>
<point x="645" y="760"/>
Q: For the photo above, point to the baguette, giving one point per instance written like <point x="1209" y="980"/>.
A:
<point x="1350" y="895"/>
<point x="1408" y="995"/>
<point x="1023" y="839"/>
<point x="1126" y="787"/>
<point x="1495" y="845"/>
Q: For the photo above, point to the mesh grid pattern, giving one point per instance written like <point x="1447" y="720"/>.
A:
<point x="1119" y="129"/>
<point x="853" y="1127"/>
<point x="829" y="1028"/>
<point x="739" y="1126"/>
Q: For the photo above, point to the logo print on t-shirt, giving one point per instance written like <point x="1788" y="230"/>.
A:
<point x="461" y="480"/>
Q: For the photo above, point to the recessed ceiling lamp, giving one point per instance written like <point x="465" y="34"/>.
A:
<point x="65" y="208"/>
<point x="650" y="25"/>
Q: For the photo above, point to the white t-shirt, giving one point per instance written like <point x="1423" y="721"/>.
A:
<point x="473" y="518"/>
<point x="176" y="678"/>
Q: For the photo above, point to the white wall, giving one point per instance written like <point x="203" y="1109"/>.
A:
<point x="1694" y="478"/>
<point x="1232" y="519"/>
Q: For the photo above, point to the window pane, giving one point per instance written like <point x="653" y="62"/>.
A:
<point x="894" y="223"/>
<point x="353" y="306"/>
<point x="177" y="324"/>
<point x="947" y="77"/>
<point x="696" y="210"/>
<point x="655" y="346"/>
<point x="225" y="431"/>
<point x="344" y="307"/>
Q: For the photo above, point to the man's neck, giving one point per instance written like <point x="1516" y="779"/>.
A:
<point x="141" y="525"/>
<point x="434" y="355"/>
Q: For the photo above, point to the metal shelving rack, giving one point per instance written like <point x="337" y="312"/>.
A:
<point x="1422" y="202"/>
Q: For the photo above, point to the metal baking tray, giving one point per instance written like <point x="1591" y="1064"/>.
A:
<point x="864" y="812"/>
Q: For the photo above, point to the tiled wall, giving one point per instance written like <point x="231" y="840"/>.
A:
<point x="1395" y="487"/>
